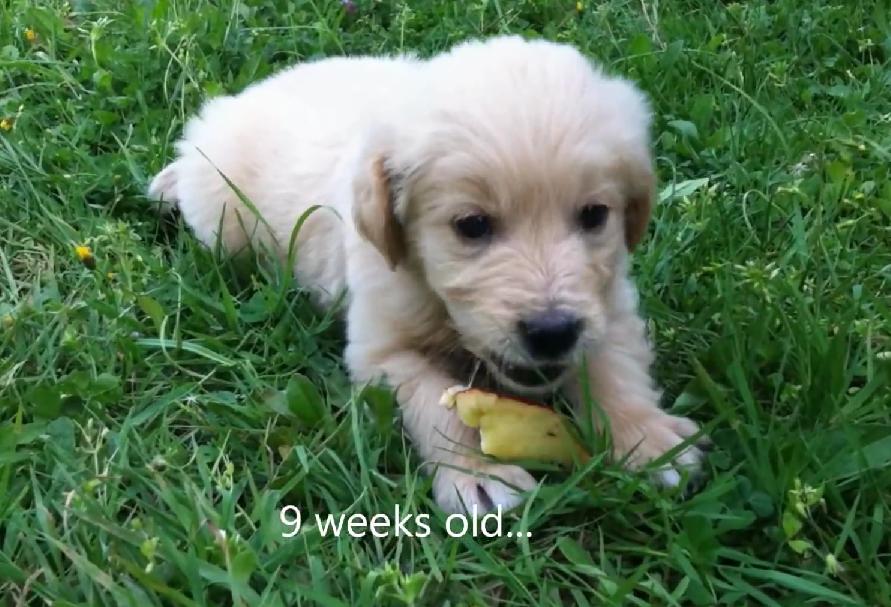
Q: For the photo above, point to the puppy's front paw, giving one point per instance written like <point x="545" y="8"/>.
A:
<point x="486" y="484"/>
<point x="649" y="438"/>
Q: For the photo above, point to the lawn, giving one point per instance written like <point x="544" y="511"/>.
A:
<point x="159" y="404"/>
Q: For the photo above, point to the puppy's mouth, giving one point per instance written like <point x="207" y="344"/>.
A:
<point x="534" y="377"/>
<point x="490" y="371"/>
<point x="530" y="377"/>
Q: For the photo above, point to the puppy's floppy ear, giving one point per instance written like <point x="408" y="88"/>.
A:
<point x="374" y="211"/>
<point x="635" y="162"/>
<point x="639" y="204"/>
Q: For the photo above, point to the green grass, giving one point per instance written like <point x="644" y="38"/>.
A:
<point x="158" y="409"/>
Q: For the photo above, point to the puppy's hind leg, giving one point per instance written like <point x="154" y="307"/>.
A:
<point x="163" y="188"/>
<point x="223" y="159"/>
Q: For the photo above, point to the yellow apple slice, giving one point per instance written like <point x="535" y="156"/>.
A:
<point x="514" y="429"/>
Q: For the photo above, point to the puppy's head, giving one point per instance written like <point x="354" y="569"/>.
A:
<point x="515" y="184"/>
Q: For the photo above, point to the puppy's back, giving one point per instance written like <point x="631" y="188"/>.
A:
<point x="282" y="143"/>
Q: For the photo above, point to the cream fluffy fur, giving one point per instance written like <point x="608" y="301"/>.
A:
<point x="526" y="132"/>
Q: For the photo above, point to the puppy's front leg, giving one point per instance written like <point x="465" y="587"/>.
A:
<point x="450" y="449"/>
<point x="620" y="381"/>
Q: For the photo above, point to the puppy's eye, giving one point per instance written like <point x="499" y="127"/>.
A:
<point x="473" y="227"/>
<point x="593" y="216"/>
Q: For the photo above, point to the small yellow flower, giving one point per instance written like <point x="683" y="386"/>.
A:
<point x="579" y="7"/>
<point x="6" y="124"/>
<point x="30" y="35"/>
<point x="85" y="255"/>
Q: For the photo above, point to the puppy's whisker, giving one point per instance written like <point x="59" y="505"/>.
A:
<point x="476" y="368"/>
<point x="513" y="346"/>
<point x="587" y="343"/>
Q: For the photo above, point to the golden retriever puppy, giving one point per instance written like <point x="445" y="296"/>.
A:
<point x="484" y="205"/>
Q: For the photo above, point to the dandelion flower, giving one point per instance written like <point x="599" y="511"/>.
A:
<point x="6" y="124"/>
<point x="579" y="6"/>
<point x="85" y="255"/>
<point x="30" y="35"/>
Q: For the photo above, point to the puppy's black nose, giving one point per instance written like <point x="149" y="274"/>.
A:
<point x="551" y="334"/>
